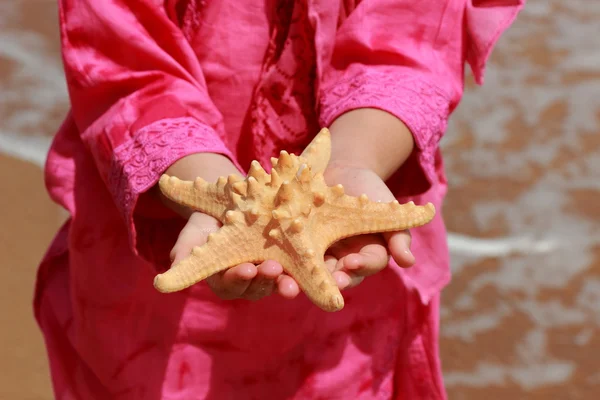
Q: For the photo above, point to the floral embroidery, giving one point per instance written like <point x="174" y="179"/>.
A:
<point x="189" y="16"/>
<point x="283" y="111"/>
<point x="421" y="105"/>
<point x="138" y="163"/>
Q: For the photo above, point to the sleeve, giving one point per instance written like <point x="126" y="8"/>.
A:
<point x="138" y="94"/>
<point x="407" y="58"/>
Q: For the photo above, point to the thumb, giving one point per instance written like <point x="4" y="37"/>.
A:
<point x="194" y="233"/>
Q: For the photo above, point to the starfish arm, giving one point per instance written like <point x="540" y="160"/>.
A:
<point x="301" y="261"/>
<point x="199" y="195"/>
<point x="318" y="152"/>
<point x="226" y="248"/>
<point x="350" y="216"/>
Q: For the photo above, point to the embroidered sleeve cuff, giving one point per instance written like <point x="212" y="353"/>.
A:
<point x="138" y="163"/>
<point x="421" y="105"/>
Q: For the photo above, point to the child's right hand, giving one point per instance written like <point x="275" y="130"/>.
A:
<point x="244" y="281"/>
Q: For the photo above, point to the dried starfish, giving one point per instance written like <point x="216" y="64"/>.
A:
<point x="290" y="216"/>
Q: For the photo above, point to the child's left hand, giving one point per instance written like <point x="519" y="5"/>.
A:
<point x="353" y="259"/>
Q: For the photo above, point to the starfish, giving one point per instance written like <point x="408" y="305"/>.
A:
<point x="290" y="215"/>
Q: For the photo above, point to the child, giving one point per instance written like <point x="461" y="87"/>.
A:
<point x="201" y="88"/>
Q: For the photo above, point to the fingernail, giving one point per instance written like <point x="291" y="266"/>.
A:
<point x="354" y="261"/>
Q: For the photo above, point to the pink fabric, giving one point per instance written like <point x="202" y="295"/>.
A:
<point x="151" y="81"/>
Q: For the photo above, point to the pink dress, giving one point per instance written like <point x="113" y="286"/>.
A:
<point x="151" y="81"/>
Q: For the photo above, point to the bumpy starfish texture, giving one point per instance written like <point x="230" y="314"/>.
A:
<point x="290" y="216"/>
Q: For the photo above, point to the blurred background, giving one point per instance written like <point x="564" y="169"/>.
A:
<point x="521" y="317"/>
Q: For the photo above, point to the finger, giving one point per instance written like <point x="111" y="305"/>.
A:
<point x="287" y="287"/>
<point x="370" y="260"/>
<point x="232" y="283"/>
<point x="354" y="244"/>
<point x="181" y="251"/>
<point x="264" y="282"/>
<point x="347" y="280"/>
<point x="399" y="246"/>
<point x="330" y="262"/>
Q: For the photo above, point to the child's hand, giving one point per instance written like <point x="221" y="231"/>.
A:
<point x="357" y="257"/>
<point x="350" y="260"/>
<point x="244" y="281"/>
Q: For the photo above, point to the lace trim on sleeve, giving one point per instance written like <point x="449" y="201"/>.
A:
<point x="421" y="105"/>
<point x="137" y="164"/>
